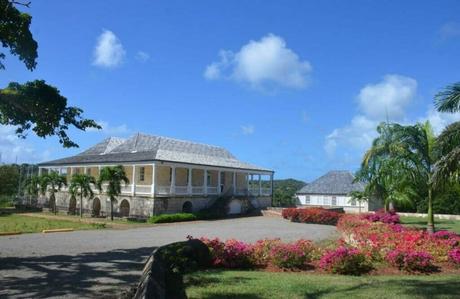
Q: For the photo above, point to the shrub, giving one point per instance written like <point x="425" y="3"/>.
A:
<point x="454" y="256"/>
<point x="292" y="255"/>
<point x="381" y="216"/>
<point x="261" y="251"/>
<point x="167" y="218"/>
<point x="410" y="261"/>
<point x="229" y="254"/>
<point x="345" y="260"/>
<point x="312" y="215"/>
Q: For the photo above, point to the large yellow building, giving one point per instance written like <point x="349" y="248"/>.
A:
<point x="166" y="176"/>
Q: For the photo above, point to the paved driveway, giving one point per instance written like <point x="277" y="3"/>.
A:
<point x="89" y="264"/>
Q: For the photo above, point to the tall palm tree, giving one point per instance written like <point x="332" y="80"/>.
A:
<point x="448" y="100"/>
<point x="385" y="174"/>
<point x="448" y="142"/>
<point x="113" y="176"/>
<point x="80" y="184"/>
<point x="52" y="182"/>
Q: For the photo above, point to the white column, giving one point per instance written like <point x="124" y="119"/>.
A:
<point x="40" y="170"/>
<point x="71" y="171"/>
<point x="247" y="183"/>
<point x="218" y="182"/>
<point x="85" y="169"/>
<point x="189" y="183"/>
<point x="153" y="180"/>
<point x="173" y="180"/>
<point x="205" y="181"/>
<point x="133" y="181"/>
<point x="234" y="182"/>
<point x="271" y="184"/>
<point x="260" y="184"/>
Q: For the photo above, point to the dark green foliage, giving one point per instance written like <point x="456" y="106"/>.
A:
<point x="15" y="35"/>
<point x="284" y="192"/>
<point x="33" y="105"/>
<point x="167" y="218"/>
<point x="217" y="210"/>
<point x="41" y="108"/>
<point x="9" y="179"/>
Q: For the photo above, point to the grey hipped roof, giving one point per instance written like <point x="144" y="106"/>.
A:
<point x="339" y="182"/>
<point x="142" y="148"/>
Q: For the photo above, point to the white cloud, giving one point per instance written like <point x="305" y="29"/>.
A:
<point x="440" y="120"/>
<point x="390" y="97"/>
<point x="357" y="136"/>
<point x="111" y="130"/>
<point x="377" y="102"/>
<point x="248" y="129"/>
<point x="142" y="56"/>
<point x="109" y="51"/>
<point x="450" y="30"/>
<point x="14" y="149"/>
<point x="260" y="63"/>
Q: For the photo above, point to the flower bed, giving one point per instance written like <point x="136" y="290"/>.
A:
<point x="311" y="215"/>
<point x="368" y="244"/>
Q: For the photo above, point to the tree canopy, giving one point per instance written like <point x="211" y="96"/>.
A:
<point x="34" y="105"/>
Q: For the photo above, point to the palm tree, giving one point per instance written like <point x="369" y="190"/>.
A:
<point x="53" y="182"/>
<point x="80" y="184"/>
<point x="448" y="142"/>
<point x="359" y="196"/>
<point x="113" y="176"/>
<point x="448" y="100"/>
<point x="385" y="174"/>
<point x="32" y="186"/>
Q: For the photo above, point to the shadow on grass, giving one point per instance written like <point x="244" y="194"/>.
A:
<point x="447" y="288"/>
<point x="101" y="274"/>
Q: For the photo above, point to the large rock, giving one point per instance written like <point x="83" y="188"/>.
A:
<point x="162" y="276"/>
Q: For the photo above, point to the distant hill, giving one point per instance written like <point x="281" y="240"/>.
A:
<point x="284" y="191"/>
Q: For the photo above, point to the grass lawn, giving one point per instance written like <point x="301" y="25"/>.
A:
<point x="452" y="225"/>
<point x="27" y="224"/>
<point x="253" y="284"/>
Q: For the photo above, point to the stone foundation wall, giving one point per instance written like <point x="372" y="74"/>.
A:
<point x="139" y="206"/>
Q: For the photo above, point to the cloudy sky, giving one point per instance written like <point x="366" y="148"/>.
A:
<point x="297" y="86"/>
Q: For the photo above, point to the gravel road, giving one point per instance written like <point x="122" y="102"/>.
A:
<point x="98" y="263"/>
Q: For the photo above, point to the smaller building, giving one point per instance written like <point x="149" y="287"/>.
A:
<point x="332" y="190"/>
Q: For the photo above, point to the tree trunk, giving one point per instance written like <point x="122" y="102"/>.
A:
<point x="391" y="206"/>
<point x="430" y="225"/>
<point x="111" y="208"/>
<point x="81" y="205"/>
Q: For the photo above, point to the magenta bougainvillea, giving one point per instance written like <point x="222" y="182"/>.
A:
<point x="345" y="260"/>
<point x="411" y="261"/>
<point x="312" y="215"/>
<point x="381" y="216"/>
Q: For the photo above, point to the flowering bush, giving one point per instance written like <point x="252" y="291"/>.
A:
<point x="261" y="251"/>
<point x="381" y="216"/>
<point x="454" y="256"/>
<point x="345" y="260"/>
<point x="229" y="254"/>
<point x="312" y="215"/>
<point x="376" y="239"/>
<point x="410" y="260"/>
<point x="292" y="255"/>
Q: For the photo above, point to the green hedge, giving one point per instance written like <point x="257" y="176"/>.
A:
<point x="166" y="218"/>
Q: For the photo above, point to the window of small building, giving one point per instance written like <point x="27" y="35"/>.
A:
<point x="353" y="202"/>
<point x="334" y="200"/>
<point x="307" y="199"/>
<point x="142" y="174"/>
<point x="326" y="200"/>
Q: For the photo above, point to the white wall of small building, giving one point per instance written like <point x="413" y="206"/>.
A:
<point x="341" y="201"/>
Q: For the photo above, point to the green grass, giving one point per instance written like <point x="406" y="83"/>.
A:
<point x="27" y="224"/>
<point x="440" y="224"/>
<point x="253" y="285"/>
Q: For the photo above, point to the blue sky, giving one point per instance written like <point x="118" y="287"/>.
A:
<point x="297" y="86"/>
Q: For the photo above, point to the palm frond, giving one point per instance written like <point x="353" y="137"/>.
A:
<point x="448" y="100"/>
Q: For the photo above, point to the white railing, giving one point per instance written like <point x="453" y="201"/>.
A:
<point x="241" y="191"/>
<point x="266" y="191"/>
<point x="197" y="190"/>
<point x="181" y="190"/>
<point x="126" y="188"/>
<point x="144" y="189"/>
<point x="212" y="190"/>
<point x="163" y="190"/>
<point x="254" y="191"/>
